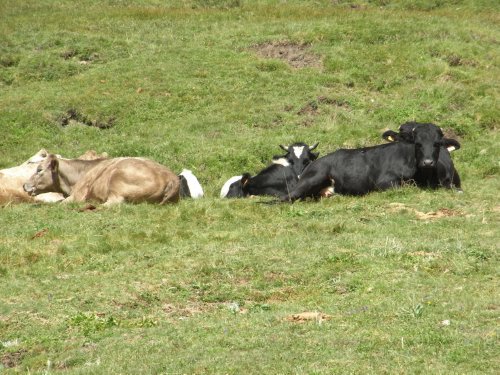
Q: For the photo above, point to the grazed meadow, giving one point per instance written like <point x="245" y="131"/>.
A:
<point x="407" y="278"/>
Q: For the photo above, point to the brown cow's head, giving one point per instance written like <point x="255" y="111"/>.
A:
<point x="45" y="178"/>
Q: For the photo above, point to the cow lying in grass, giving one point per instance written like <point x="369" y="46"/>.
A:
<point x="190" y="187"/>
<point x="107" y="181"/>
<point x="443" y="175"/>
<point x="276" y="179"/>
<point x="360" y="171"/>
<point x="12" y="179"/>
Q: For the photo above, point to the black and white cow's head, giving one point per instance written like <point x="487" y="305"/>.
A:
<point x="234" y="187"/>
<point x="427" y="138"/>
<point x="298" y="156"/>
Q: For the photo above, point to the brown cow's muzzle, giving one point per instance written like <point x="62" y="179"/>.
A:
<point x="28" y="188"/>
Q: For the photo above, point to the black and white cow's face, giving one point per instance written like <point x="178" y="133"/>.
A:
<point x="428" y="140"/>
<point x="298" y="156"/>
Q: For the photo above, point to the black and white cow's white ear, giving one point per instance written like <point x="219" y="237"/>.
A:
<point x="450" y="144"/>
<point x="391" y="136"/>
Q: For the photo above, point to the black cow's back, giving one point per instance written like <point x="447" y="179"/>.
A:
<point x="358" y="171"/>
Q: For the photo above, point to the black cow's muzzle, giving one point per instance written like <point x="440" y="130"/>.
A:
<point x="427" y="163"/>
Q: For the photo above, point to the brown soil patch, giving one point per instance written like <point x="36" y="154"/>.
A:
<point x="297" y="55"/>
<point x="307" y="317"/>
<point x="13" y="359"/>
<point x="451" y="133"/>
<point x="426" y="216"/>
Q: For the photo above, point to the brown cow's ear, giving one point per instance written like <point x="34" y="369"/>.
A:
<point x="450" y="144"/>
<point x="54" y="163"/>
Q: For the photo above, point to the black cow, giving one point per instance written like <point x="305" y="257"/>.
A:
<point x="444" y="174"/>
<point x="360" y="171"/>
<point x="277" y="179"/>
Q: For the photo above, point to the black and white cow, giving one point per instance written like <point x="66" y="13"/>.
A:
<point x="277" y="179"/>
<point x="190" y="187"/>
<point x="360" y="171"/>
<point x="444" y="174"/>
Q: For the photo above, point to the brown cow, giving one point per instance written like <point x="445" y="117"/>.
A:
<point x="108" y="181"/>
<point x="12" y="179"/>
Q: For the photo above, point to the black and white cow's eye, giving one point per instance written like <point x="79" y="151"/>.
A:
<point x="437" y="144"/>
<point x="418" y="145"/>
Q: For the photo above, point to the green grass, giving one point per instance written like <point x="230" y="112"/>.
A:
<point x="205" y="286"/>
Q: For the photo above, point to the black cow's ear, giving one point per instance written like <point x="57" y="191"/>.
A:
<point x="245" y="178"/>
<point x="315" y="155"/>
<point x="450" y="144"/>
<point x="391" y="136"/>
<point x="284" y="148"/>
<point x="313" y="146"/>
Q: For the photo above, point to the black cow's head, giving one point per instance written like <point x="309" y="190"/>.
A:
<point x="299" y="155"/>
<point x="427" y="138"/>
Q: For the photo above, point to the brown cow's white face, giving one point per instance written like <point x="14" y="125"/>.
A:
<point x="45" y="178"/>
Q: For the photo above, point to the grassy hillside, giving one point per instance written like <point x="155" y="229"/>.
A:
<point x="408" y="278"/>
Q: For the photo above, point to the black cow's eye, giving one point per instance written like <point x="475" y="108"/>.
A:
<point x="437" y="144"/>
<point x="419" y="145"/>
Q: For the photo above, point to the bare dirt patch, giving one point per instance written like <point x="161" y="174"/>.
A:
<point x="12" y="359"/>
<point x="451" y="133"/>
<point x="425" y="216"/>
<point x="297" y="55"/>
<point x="308" y="317"/>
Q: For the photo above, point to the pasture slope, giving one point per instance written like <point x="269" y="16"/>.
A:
<point x="408" y="278"/>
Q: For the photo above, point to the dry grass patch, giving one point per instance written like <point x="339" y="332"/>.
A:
<point x="297" y="55"/>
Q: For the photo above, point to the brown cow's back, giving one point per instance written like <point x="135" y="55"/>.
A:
<point x="127" y="180"/>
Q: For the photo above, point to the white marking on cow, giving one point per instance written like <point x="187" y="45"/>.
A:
<point x="194" y="185"/>
<point x="327" y="192"/>
<point x="297" y="150"/>
<point x="451" y="148"/>
<point x="225" y="188"/>
<point x="281" y="161"/>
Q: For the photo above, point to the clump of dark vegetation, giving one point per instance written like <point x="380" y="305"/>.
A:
<point x="72" y="116"/>
<point x="218" y="4"/>
<point x="83" y="57"/>
<point x="313" y="107"/>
